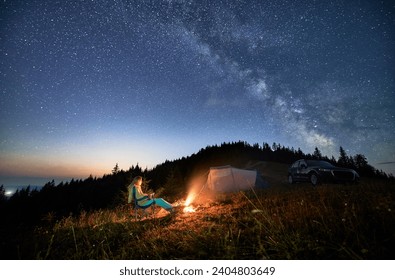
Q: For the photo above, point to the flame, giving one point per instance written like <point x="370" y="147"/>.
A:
<point x="189" y="199"/>
<point x="189" y="209"/>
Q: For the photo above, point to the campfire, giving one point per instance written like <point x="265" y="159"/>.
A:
<point x="188" y="208"/>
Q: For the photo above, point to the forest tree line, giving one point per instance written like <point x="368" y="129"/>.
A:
<point x="30" y="206"/>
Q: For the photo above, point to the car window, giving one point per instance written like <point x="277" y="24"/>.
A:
<point x="302" y="164"/>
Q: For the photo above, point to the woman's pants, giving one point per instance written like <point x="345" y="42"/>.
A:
<point x="160" y="202"/>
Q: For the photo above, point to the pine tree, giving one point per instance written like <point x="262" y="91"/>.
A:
<point x="2" y="194"/>
<point x="317" y="153"/>
<point x="343" y="159"/>
<point x="115" y="170"/>
<point x="360" y="161"/>
<point x="362" y="165"/>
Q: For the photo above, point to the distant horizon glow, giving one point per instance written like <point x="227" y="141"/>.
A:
<point x="88" y="84"/>
<point x="38" y="174"/>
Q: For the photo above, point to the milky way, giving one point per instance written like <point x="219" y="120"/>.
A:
<point x="87" y="84"/>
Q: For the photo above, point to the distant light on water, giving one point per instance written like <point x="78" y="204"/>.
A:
<point x="9" y="193"/>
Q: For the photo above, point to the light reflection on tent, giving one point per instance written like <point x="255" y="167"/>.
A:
<point x="231" y="179"/>
<point x="223" y="179"/>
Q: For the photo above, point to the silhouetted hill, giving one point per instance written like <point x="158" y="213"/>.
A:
<point x="169" y="178"/>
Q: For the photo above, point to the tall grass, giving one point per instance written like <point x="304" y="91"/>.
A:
<point x="298" y="222"/>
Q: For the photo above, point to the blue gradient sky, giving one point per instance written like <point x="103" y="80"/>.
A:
<point x="88" y="84"/>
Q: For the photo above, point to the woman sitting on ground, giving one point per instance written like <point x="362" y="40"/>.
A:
<point x="145" y="199"/>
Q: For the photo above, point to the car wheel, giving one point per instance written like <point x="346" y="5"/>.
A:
<point x="314" y="179"/>
<point x="290" y="179"/>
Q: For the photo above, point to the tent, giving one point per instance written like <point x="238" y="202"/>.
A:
<point x="230" y="179"/>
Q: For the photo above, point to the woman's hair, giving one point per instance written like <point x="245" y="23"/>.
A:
<point x="137" y="178"/>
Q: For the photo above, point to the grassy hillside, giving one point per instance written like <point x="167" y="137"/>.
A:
<point x="281" y="222"/>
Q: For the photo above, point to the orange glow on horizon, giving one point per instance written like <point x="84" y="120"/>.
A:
<point x="40" y="167"/>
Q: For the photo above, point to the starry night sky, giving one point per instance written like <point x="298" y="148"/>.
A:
<point x="88" y="84"/>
